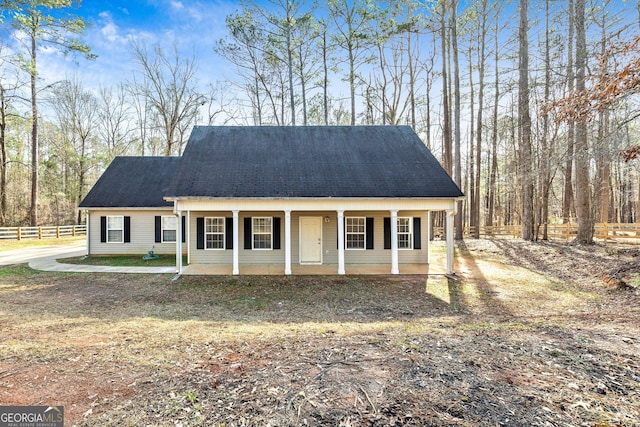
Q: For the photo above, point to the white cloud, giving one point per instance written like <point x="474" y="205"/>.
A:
<point x="177" y="5"/>
<point x="109" y="30"/>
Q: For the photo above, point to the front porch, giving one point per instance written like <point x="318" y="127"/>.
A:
<point x="312" y="270"/>
<point x="314" y="237"/>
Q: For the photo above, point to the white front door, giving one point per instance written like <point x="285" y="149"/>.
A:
<point x="310" y="240"/>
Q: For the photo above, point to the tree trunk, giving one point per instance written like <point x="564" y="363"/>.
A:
<point x="583" y="191"/>
<point x="352" y="84"/>
<point x="303" y="87"/>
<point x="447" y="159"/>
<point x="457" y="142"/>
<point x="290" y="63"/>
<point x="545" y="161"/>
<point x="33" y="212"/>
<point x="603" y="160"/>
<point x="567" y="204"/>
<point x="471" y="191"/>
<point x="475" y="212"/>
<point x="524" y="126"/>
<point x="412" y="82"/>
<point x="491" y="190"/>
<point x="3" y="157"/>
<point x="325" y="77"/>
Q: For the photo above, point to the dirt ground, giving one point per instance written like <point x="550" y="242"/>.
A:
<point x="528" y="335"/>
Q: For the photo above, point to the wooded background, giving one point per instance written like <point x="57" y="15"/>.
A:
<point x="527" y="105"/>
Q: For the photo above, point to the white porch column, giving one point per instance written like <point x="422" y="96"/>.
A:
<point x="449" y="232"/>
<point x="287" y="242"/>
<point x="179" y="242"/>
<point x="236" y="243"/>
<point x="341" y="242"/>
<point x="188" y="239"/>
<point x="87" y="219"/>
<point x="428" y="227"/>
<point x="394" y="242"/>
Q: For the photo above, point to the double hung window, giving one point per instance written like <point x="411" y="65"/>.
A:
<point x="405" y="233"/>
<point x="262" y="230"/>
<point x="214" y="229"/>
<point x="356" y="231"/>
<point x="169" y="228"/>
<point x="115" y="229"/>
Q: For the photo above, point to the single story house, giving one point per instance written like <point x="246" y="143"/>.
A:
<point x="240" y="196"/>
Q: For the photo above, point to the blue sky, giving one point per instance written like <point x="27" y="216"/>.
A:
<point x="194" y="25"/>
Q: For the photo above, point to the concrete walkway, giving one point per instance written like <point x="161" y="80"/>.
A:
<point x="51" y="264"/>
<point x="44" y="258"/>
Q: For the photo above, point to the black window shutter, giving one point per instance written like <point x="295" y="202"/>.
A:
<point x="199" y="233"/>
<point x="103" y="229"/>
<point x="228" y="230"/>
<point x="247" y="233"/>
<point x="387" y="233"/>
<point x="369" y="230"/>
<point x="417" y="240"/>
<point x="184" y="229"/>
<point x="276" y="233"/>
<point x="158" y="228"/>
<point x="127" y="229"/>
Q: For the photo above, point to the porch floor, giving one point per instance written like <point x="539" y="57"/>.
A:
<point x="324" y="269"/>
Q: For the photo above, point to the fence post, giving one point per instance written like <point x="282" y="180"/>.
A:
<point x="39" y="232"/>
<point x="57" y="232"/>
<point x="606" y="231"/>
<point x="19" y="234"/>
<point x="73" y="230"/>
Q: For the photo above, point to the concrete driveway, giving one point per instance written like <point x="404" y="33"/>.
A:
<point x="19" y="256"/>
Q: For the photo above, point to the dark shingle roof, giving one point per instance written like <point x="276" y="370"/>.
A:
<point x="307" y="162"/>
<point x="133" y="182"/>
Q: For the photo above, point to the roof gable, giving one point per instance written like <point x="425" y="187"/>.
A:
<point x="133" y="182"/>
<point x="307" y="162"/>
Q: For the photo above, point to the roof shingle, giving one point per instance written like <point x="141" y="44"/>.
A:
<point x="136" y="182"/>
<point x="309" y="162"/>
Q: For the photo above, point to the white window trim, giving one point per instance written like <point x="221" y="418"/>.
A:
<point x="224" y="231"/>
<point x="410" y="233"/>
<point x="121" y="229"/>
<point x="253" y="233"/>
<point x="364" y="233"/>
<point x="162" y="229"/>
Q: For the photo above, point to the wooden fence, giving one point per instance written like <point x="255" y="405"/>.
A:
<point x="606" y="232"/>
<point x="629" y="233"/>
<point x="45" y="232"/>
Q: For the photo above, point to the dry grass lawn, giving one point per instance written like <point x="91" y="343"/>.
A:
<point x="529" y="335"/>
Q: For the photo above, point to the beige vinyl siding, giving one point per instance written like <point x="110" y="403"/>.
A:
<point x="245" y="256"/>
<point x="142" y="233"/>
<point x="378" y="255"/>
<point x="267" y="256"/>
<point x="208" y="256"/>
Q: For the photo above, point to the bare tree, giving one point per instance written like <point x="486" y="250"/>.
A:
<point x="77" y="113"/>
<point x="168" y="84"/>
<point x="353" y="35"/>
<point x="114" y="124"/>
